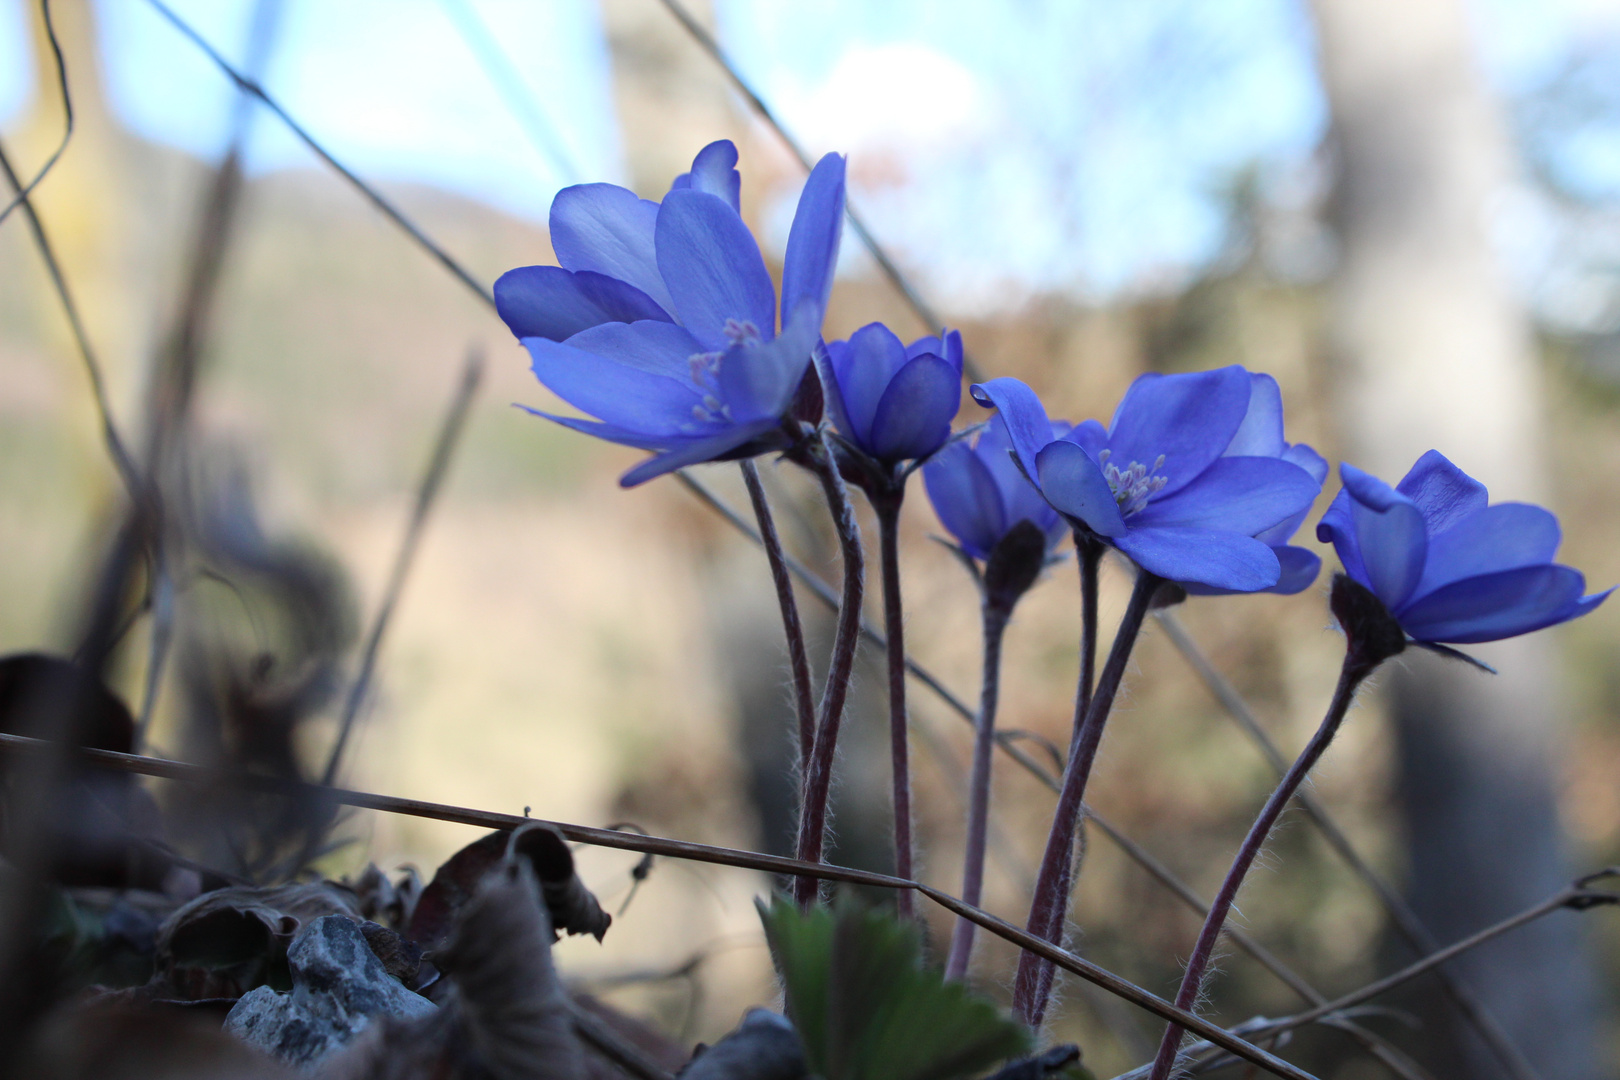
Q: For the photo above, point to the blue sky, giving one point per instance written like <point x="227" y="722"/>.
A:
<point x="1078" y="146"/>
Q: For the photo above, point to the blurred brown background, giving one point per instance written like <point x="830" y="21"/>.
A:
<point x="604" y="656"/>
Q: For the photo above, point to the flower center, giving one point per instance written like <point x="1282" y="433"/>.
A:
<point x="741" y="333"/>
<point x="705" y="368"/>
<point x="1133" y="485"/>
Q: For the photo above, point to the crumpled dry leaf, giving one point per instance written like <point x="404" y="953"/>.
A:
<point x="224" y="943"/>
<point x="508" y="1018"/>
<point x="572" y="907"/>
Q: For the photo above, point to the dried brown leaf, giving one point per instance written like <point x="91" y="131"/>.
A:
<point x="226" y="942"/>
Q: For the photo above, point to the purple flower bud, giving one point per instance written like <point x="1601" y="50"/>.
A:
<point x="894" y="402"/>
<point x="980" y="496"/>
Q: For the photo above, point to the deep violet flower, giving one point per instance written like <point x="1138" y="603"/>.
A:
<point x="1449" y="567"/>
<point x="979" y="494"/>
<point x="1155" y="483"/>
<point x="1261" y="435"/>
<point x="661" y="320"/>
<point x="894" y="402"/>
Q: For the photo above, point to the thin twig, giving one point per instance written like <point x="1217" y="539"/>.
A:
<point x="606" y="1041"/>
<point x="1579" y="896"/>
<point x="679" y="849"/>
<point x="116" y="447"/>
<point x="1408" y="926"/>
<point x="912" y="297"/>
<point x="23" y="192"/>
<point x="510" y="85"/>
<point x="375" y="197"/>
<point x="455" y="421"/>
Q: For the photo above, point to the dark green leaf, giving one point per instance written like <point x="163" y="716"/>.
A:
<point x="867" y="1009"/>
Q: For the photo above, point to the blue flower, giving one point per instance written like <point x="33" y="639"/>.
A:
<point x="1261" y="435"/>
<point x="1449" y="567"/>
<point x="894" y="402"/>
<point x="979" y="494"/>
<point x="661" y="321"/>
<point x="1155" y="483"/>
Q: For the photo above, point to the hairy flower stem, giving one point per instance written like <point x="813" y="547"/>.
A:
<point x="1371" y="637"/>
<point x="1050" y="903"/>
<point x="1089" y="553"/>
<point x="818" y="778"/>
<point x="1350" y="677"/>
<point x="798" y="659"/>
<point x="996" y="615"/>
<point x="887" y="507"/>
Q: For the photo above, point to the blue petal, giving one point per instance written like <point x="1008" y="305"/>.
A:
<point x="1089" y="435"/>
<point x="1189" y="419"/>
<point x="1316" y="467"/>
<point x="550" y="302"/>
<point x="1220" y="560"/>
<point x="610" y="432"/>
<point x="948" y="348"/>
<point x="714" y="171"/>
<point x="661" y="348"/>
<point x="1021" y="500"/>
<point x="1443" y="492"/>
<point x="1261" y="433"/>
<point x="1299" y="567"/>
<point x="1021" y="411"/>
<point x="1235" y="494"/>
<point x="829" y="356"/>
<point x="1502" y="537"/>
<point x="812" y="247"/>
<point x="1338" y="527"/>
<point x="966" y="498"/>
<point x="1496" y="606"/>
<point x="914" y="417"/>
<point x="1307" y="459"/>
<point x="606" y="229"/>
<point x="713" y="268"/>
<point x="757" y="382"/>
<point x="694" y="452"/>
<point x="624" y="396"/>
<point x="862" y="370"/>
<point x="1074" y="485"/>
<point x="1390" y="534"/>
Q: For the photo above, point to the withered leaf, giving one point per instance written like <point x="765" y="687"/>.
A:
<point x="508" y="1018"/>
<point x="572" y="907"/>
<point x="224" y="943"/>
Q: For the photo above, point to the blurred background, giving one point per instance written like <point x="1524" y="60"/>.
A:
<point x="1408" y="211"/>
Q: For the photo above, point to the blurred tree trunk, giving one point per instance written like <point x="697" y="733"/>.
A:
<point x="1432" y="350"/>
